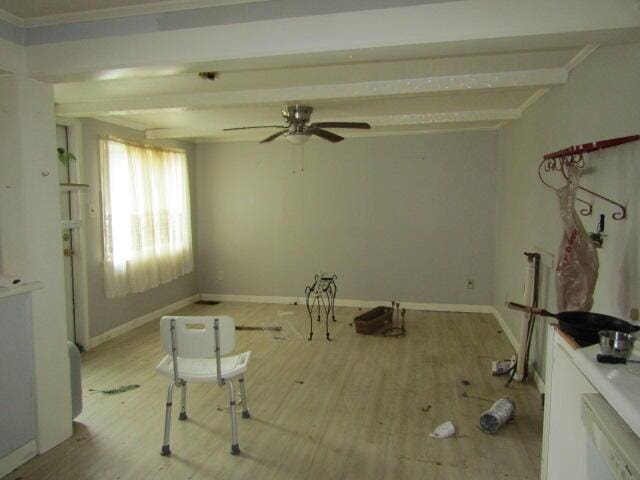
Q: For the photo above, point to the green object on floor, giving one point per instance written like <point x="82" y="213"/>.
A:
<point x="114" y="391"/>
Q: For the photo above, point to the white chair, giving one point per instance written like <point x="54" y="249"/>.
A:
<point x="195" y="346"/>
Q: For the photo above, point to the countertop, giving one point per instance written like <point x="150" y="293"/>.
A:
<point x="618" y="384"/>
<point x="22" y="288"/>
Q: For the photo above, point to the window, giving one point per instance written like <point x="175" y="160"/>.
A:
<point x="146" y="216"/>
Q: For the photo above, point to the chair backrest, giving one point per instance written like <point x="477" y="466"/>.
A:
<point x="195" y="336"/>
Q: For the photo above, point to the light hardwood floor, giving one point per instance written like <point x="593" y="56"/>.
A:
<point x="359" y="407"/>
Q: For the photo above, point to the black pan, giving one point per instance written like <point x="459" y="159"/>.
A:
<point x="582" y="326"/>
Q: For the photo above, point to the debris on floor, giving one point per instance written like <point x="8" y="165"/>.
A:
<point x="114" y="391"/>
<point x="502" y="367"/>
<point x="466" y="383"/>
<point x="274" y="328"/>
<point x="426" y="409"/>
<point x="445" y="430"/>
<point x="466" y="395"/>
<point x="500" y="413"/>
<point x="300" y="382"/>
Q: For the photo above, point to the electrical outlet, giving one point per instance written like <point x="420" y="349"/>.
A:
<point x="471" y="284"/>
<point x="220" y="275"/>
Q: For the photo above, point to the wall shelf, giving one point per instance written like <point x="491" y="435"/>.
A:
<point x="69" y="224"/>
<point x="561" y="160"/>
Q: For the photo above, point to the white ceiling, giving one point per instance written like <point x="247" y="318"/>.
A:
<point x="415" y="66"/>
<point x="419" y="95"/>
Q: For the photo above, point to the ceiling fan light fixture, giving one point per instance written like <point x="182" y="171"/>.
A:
<point x="297" y="138"/>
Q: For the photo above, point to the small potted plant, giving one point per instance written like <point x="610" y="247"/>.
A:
<point x="65" y="156"/>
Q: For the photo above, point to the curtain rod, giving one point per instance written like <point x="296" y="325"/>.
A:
<point x="133" y="143"/>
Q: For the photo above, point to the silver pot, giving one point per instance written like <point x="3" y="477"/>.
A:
<point x="614" y="343"/>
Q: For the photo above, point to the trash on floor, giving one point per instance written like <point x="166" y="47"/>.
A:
<point x="274" y="328"/>
<point x="500" y="413"/>
<point x="467" y="395"/>
<point x="502" y="367"/>
<point x="114" y="391"/>
<point x="445" y="430"/>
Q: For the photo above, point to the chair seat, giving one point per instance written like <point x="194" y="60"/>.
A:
<point x="204" y="369"/>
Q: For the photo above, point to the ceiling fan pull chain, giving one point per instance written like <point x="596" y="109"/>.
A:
<point x="293" y="158"/>
<point x="302" y="157"/>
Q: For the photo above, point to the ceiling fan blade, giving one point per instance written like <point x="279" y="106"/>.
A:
<point x="332" y="137"/>
<point x="259" y="126"/>
<point x="274" y="136"/>
<point x="361" y="125"/>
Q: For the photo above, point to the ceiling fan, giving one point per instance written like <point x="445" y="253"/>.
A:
<point x="298" y="129"/>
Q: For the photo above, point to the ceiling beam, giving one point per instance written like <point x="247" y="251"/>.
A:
<point x="310" y="93"/>
<point x="418" y="120"/>
<point x="436" y="28"/>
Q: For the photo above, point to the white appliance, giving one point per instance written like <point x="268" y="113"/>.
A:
<point x="613" y="448"/>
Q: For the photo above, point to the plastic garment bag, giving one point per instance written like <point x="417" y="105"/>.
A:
<point x="577" y="270"/>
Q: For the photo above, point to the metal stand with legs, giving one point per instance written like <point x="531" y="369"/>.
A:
<point x="321" y="295"/>
<point x="396" y="327"/>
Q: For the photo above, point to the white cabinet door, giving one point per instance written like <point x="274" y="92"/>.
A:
<point x="568" y="444"/>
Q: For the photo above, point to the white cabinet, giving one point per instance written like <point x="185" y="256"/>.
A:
<point x="17" y="379"/>
<point x="565" y="443"/>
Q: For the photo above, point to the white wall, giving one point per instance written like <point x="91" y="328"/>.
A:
<point x="107" y="313"/>
<point x="32" y="240"/>
<point x="600" y="101"/>
<point x="401" y="217"/>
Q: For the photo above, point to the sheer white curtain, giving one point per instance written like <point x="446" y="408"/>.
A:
<point x="146" y="216"/>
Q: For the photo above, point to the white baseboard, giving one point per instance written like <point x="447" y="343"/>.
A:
<point x="347" y="302"/>
<point x="218" y="297"/>
<point x="137" y="322"/>
<point x="505" y="328"/>
<point x="538" y="381"/>
<point x="18" y="457"/>
<point x="514" y="342"/>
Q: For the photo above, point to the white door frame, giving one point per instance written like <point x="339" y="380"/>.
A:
<point x="78" y="237"/>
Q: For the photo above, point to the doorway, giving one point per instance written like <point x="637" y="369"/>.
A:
<point x="64" y="176"/>
<point x="71" y="208"/>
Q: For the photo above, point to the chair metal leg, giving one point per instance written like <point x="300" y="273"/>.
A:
<point x="166" y="450"/>
<point x="243" y="393"/>
<point x="183" y="404"/>
<point x="235" y="448"/>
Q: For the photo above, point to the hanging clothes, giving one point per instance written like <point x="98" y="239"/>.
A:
<point x="577" y="270"/>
